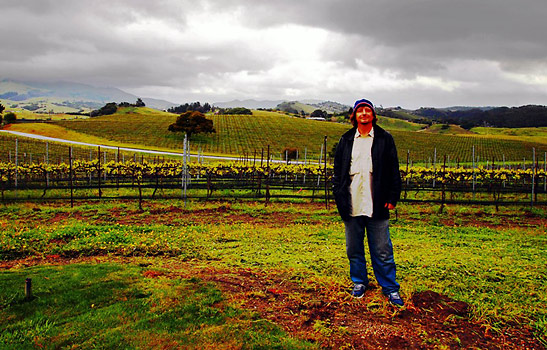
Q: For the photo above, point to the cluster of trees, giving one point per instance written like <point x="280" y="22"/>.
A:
<point x="319" y="113"/>
<point x="503" y="117"/>
<point x="194" y="106"/>
<point x="112" y="107"/>
<point x="192" y="122"/>
<point x="107" y="109"/>
<point x="8" y="118"/>
<point x="139" y="103"/>
<point x="236" y="110"/>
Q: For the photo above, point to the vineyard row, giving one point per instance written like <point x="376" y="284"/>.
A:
<point x="288" y="180"/>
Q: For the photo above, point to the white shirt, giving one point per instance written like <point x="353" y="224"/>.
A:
<point x="361" y="174"/>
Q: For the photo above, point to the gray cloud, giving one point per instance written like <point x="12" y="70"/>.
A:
<point x="435" y="52"/>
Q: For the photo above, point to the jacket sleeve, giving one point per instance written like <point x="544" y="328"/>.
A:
<point x="337" y="173"/>
<point x="394" y="174"/>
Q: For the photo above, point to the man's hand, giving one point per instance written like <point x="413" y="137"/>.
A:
<point x="389" y="206"/>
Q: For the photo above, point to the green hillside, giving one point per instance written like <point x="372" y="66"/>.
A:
<point x="239" y="135"/>
<point x="399" y="124"/>
<point x="295" y="106"/>
<point x="449" y="129"/>
<point x="539" y="131"/>
<point x="236" y="134"/>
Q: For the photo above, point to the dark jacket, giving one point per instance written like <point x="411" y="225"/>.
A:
<point x="386" y="179"/>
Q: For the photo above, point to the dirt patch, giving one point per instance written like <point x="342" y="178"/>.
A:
<point x="177" y="216"/>
<point x="328" y="315"/>
<point x="333" y="319"/>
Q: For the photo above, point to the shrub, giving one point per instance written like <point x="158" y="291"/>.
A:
<point x="10" y="118"/>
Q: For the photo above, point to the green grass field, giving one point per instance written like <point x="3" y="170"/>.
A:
<point x="243" y="275"/>
<point x="399" y="124"/>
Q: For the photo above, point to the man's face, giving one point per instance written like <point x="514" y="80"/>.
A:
<point x="364" y="115"/>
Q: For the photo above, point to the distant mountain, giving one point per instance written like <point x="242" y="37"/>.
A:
<point x="68" y="94"/>
<point x="331" y="107"/>
<point x="308" y="106"/>
<point x="251" y="104"/>
<point x="296" y="107"/>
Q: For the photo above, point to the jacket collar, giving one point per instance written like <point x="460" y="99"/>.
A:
<point x="350" y="134"/>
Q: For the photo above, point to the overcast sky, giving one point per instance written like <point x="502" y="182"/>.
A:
<point x="407" y="53"/>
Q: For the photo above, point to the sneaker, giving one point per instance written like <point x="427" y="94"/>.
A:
<point x="395" y="299"/>
<point x="358" y="290"/>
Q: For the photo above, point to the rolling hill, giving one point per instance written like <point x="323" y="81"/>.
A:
<point x="61" y="97"/>
<point x="249" y="135"/>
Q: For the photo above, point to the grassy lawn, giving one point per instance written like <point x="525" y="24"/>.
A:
<point x="151" y="278"/>
<point x="114" y="305"/>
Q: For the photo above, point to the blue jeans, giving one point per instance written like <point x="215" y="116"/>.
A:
<point x="381" y="252"/>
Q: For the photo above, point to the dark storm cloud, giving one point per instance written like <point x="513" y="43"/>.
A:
<point x="419" y="33"/>
<point x="75" y="39"/>
<point x="465" y="49"/>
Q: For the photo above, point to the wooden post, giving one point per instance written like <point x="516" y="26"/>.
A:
<point x="70" y="177"/>
<point x="184" y="179"/>
<point x="434" y="166"/>
<point x="47" y="163"/>
<point x="326" y="182"/>
<point x="28" y="289"/>
<point x="545" y="172"/>
<point x="118" y="172"/>
<point x="474" y="179"/>
<point x="268" y="177"/>
<point x="99" y="169"/>
<point x="443" y="187"/>
<point x="16" y="162"/>
<point x="407" y="177"/>
<point x="533" y="175"/>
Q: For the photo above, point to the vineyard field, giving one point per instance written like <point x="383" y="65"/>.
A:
<point x="249" y="135"/>
<point x="254" y="180"/>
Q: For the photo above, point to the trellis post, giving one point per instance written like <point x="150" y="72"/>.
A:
<point x="268" y="177"/>
<point x="70" y="177"/>
<point x="326" y="184"/>
<point x="473" y="160"/>
<point x="16" y="161"/>
<point x="533" y="176"/>
<point x="47" y="163"/>
<point x="99" y="169"/>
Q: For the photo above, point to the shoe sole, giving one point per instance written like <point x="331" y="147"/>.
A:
<point x="394" y="304"/>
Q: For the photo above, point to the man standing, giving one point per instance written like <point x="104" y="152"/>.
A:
<point x="367" y="185"/>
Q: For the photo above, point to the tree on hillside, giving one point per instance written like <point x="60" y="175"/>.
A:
<point x="194" y="106"/>
<point x="139" y="103"/>
<point x="192" y="122"/>
<point x="107" y="109"/>
<point x="235" y="110"/>
<point x="10" y="118"/>
<point x="2" y="108"/>
<point x="318" y="113"/>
